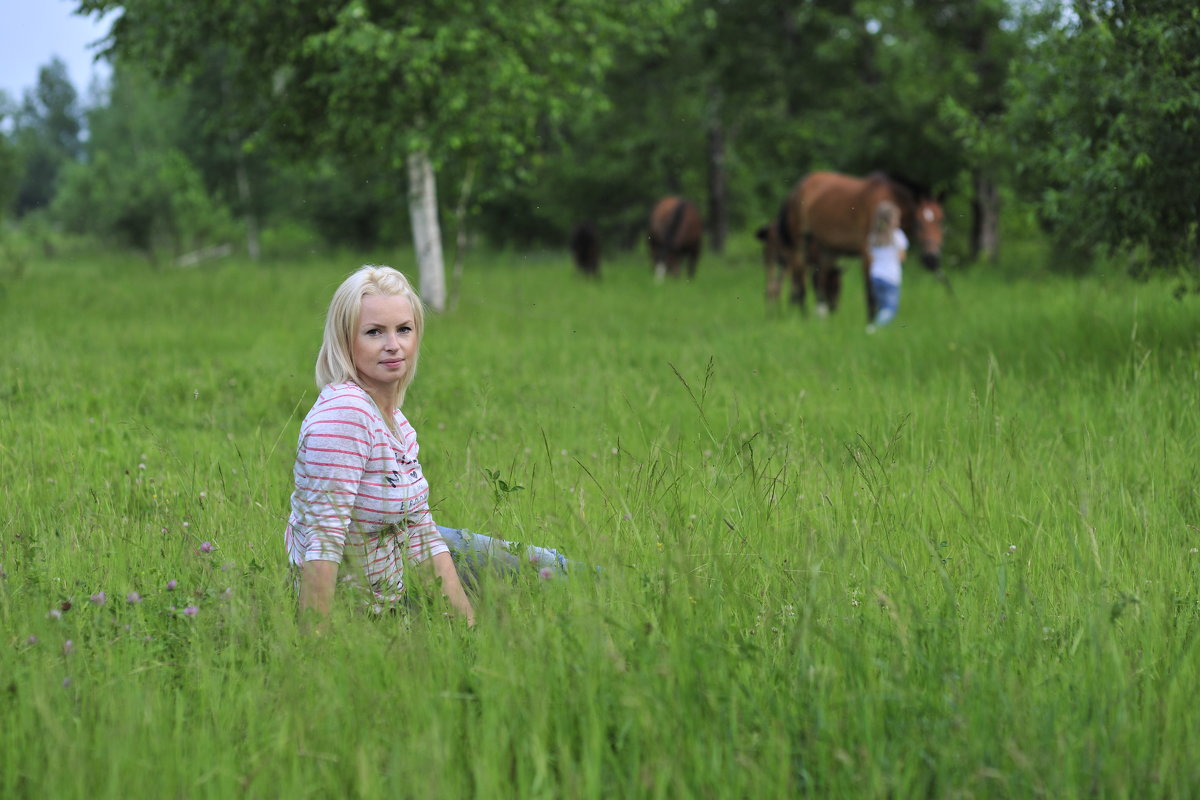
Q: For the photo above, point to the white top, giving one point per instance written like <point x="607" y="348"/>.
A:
<point x="361" y="498"/>
<point x="885" y="261"/>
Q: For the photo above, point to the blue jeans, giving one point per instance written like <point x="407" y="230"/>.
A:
<point x="887" y="300"/>
<point x="474" y="551"/>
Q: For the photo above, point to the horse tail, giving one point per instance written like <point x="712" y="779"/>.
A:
<point x="676" y="221"/>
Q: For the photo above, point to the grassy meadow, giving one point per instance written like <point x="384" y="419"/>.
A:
<point x="955" y="558"/>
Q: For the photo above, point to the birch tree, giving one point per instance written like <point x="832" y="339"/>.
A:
<point x="406" y="86"/>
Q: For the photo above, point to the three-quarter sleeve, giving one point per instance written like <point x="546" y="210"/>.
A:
<point x="332" y="457"/>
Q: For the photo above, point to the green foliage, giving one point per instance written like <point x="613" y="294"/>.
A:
<point x="1106" y="123"/>
<point x="377" y="81"/>
<point x="46" y="135"/>
<point x="955" y="558"/>
<point x="137" y="188"/>
<point x="10" y="165"/>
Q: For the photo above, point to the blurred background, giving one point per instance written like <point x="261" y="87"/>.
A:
<point x="1059" y="135"/>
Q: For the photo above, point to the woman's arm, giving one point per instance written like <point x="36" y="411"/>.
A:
<point x="317" y="582"/>
<point x="443" y="567"/>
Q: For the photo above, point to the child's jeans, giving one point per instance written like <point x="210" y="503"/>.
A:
<point x="887" y="300"/>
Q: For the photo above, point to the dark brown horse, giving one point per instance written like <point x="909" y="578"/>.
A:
<point x="675" y="230"/>
<point x="585" y="248"/>
<point x="828" y="215"/>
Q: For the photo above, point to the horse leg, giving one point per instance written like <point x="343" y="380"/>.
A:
<point x="798" y="268"/>
<point x="833" y="284"/>
<point x="822" y="262"/>
<point x="774" y="280"/>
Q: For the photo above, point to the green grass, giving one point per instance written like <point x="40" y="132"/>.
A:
<point x="955" y="558"/>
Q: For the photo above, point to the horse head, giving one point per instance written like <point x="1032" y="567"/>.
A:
<point x="928" y="219"/>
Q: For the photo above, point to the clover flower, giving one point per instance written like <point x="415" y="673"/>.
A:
<point x="191" y="611"/>
<point x="133" y="598"/>
<point x="171" y="584"/>
<point x="98" y="599"/>
<point x="206" y="547"/>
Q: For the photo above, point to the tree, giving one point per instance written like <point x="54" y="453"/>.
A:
<point x="1106" y="122"/>
<point x="136" y="187"/>
<point x="404" y="86"/>
<point x="10" y="173"/>
<point x="47" y="135"/>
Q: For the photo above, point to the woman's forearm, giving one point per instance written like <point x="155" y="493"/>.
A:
<point x="443" y="567"/>
<point x="317" y="582"/>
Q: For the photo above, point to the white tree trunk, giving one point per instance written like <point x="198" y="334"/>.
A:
<point x="427" y="235"/>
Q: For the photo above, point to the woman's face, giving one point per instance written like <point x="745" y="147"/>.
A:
<point x="384" y="341"/>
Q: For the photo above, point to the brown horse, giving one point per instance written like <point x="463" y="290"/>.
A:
<point x="828" y="215"/>
<point x="674" y="236"/>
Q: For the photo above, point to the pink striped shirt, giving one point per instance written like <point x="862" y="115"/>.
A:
<point x="361" y="498"/>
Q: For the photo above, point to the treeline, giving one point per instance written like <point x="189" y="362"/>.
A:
<point x="351" y="123"/>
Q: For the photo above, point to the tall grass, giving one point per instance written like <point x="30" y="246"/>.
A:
<point x="957" y="557"/>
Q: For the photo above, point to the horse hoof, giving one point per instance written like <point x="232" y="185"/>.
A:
<point x="822" y="310"/>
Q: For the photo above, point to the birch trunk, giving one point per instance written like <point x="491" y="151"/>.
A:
<point x="247" y="202"/>
<point x="427" y="235"/>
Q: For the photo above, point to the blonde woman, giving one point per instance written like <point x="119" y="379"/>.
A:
<point x="360" y="507"/>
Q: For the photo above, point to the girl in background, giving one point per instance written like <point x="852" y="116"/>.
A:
<point x="888" y="246"/>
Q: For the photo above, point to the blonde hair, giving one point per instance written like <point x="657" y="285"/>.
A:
<point x="883" y="227"/>
<point x="335" y="362"/>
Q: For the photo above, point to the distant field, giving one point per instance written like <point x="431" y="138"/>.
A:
<point x="955" y="558"/>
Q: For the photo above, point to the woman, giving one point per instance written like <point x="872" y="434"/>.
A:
<point x="361" y="502"/>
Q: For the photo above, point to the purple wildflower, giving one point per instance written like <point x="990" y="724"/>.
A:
<point x="133" y="597"/>
<point x="55" y="614"/>
<point x="98" y="599"/>
<point x="206" y="547"/>
<point x="66" y="682"/>
<point x="68" y="647"/>
<point x="171" y="584"/>
<point x="191" y="611"/>
<point x="32" y="640"/>
<point x="545" y="573"/>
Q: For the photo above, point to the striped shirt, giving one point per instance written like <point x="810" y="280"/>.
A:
<point x="361" y="498"/>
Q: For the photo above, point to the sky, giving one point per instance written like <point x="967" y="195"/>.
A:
<point x="32" y="32"/>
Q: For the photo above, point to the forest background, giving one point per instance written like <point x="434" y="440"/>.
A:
<point x="1065" y="130"/>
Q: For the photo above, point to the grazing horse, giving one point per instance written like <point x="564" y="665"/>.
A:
<point x="585" y="249"/>
<point x="828" y="215"/>
<point x="675" y="229"/>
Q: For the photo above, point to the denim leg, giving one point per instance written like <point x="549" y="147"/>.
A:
<point x="478" y="551"/>
<point x="887" y="298"/>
